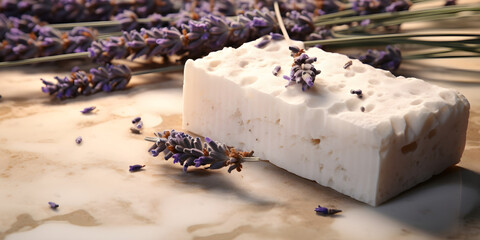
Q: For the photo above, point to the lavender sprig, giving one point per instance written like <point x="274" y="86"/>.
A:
<point x="44" y="41"/>
<point x="389" y="59"/>
<point x="189" y="151"/>
<point x="303" y="72"/>
<point x="108" y="78"/>
<point x="56" y="11"/>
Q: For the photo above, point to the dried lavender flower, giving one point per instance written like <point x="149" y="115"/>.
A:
<point x="276" y="70"/>
<point x="105" y="78"/>
<point x="348" y="64"/>
<point x="357" y="92"/>
<point x="303" y="72"/>
<point x="136" y="120"/>
<point x="128" y="20"/>
<point x="53" y="205"/>
<point x="387" y="60"/>
<point x="326" y="211"/>
<point x="135" y="168"/>
<point x="78" y="140"/>
<point x="263" y="42"/>
<point x="88" y="110"/>
<point x="189" y="151"/>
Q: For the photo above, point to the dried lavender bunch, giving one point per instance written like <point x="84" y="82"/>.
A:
<point x="44" y="41"/>
<point x="105" y="78"/>
<point x="196" y="38"/>
<point x="303" y="72"/>
<point x="60" y="11"/>
<point x="366" y="7"/>
<point x="189" y="151"/>
<point x="299" y="24"/>
<point x="389" y="59"/>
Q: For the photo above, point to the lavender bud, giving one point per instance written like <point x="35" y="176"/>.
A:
<point x="276" y="70"/>
<point x="326" y="211"/>
<point x="136" y="120"/>
<point x="88" y="110"/>
<point x="78" y="140"/>
<point x="53" y="205"/>
<point x="135" y="168"/>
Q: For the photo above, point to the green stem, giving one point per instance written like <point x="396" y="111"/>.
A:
<point x="100" y="23"/>
<point x="383" y="37"/>
<point x="343" y="13"/>
<point x="442" y="10"/>
<point x="421" y="56"/>
<point x="44" y="59"/>
<point x="157" y="70"/>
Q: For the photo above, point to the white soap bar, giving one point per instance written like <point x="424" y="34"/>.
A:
<point x="400" y="133"/>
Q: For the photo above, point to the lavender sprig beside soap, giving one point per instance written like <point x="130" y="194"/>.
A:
<point x="105" y="78"/>
<point x="189" y="151"/>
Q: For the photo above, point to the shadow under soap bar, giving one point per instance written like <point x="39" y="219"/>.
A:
<point x="400" y="133"/>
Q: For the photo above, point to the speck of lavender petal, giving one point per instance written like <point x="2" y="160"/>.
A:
<point x="276" y="70"/>
<point x="135" y="168"/>
<point x="358" y="92"/>
<point x="53" y="205"/>
<point x="263" y="43"/>
<point x="276" y="36"/>
<point x="88" y="110"/>
<point x="136" y="120"/>
<point x="362" y="109"/>
<point x="78" y="140"/>
<point x="139" y="125"/>
<point x="348" y="64"/>
<point x="326" y="211"/>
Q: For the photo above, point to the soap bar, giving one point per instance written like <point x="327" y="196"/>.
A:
<point x="399" y="133"/>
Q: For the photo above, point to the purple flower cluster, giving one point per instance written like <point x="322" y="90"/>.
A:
<point x="189" y="151"/>
<point x="196" y="38"/>
<point x="108" y="78"/>
<point x="389" y="59"/>
<point x="57" y="11"/>
<point x="303" y="72"/>
<point x="365" y="7"/>
<point x="24" y="38"/>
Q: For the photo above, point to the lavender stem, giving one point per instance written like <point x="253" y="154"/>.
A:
<point x="44" y="59"/>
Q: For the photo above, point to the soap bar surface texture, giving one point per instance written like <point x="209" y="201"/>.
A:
<point x="401" y="132"/>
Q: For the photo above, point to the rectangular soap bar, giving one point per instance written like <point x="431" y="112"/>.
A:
<point x="400" y="133"/>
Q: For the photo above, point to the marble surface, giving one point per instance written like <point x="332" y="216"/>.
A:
<point x="100" y="199"/>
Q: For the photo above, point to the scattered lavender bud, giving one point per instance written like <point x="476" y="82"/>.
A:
<point x="88" y="110"/>
<point x="135" y="168"/>
<point x="362" y="109"/>
<point x="78" y="140"/>
<point x="358" y="92"/>
<point x="348" y="64"/>
<point x="326" y="211"/>
<point x="294" y="49"/>
<point x="263" y="43"/>
<point x="139" y="125"/>
<point x="53" y="205"/>
<point x="276" y="36"/>
<point x="276" y="70"/>
<point x="136" y="120"/>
